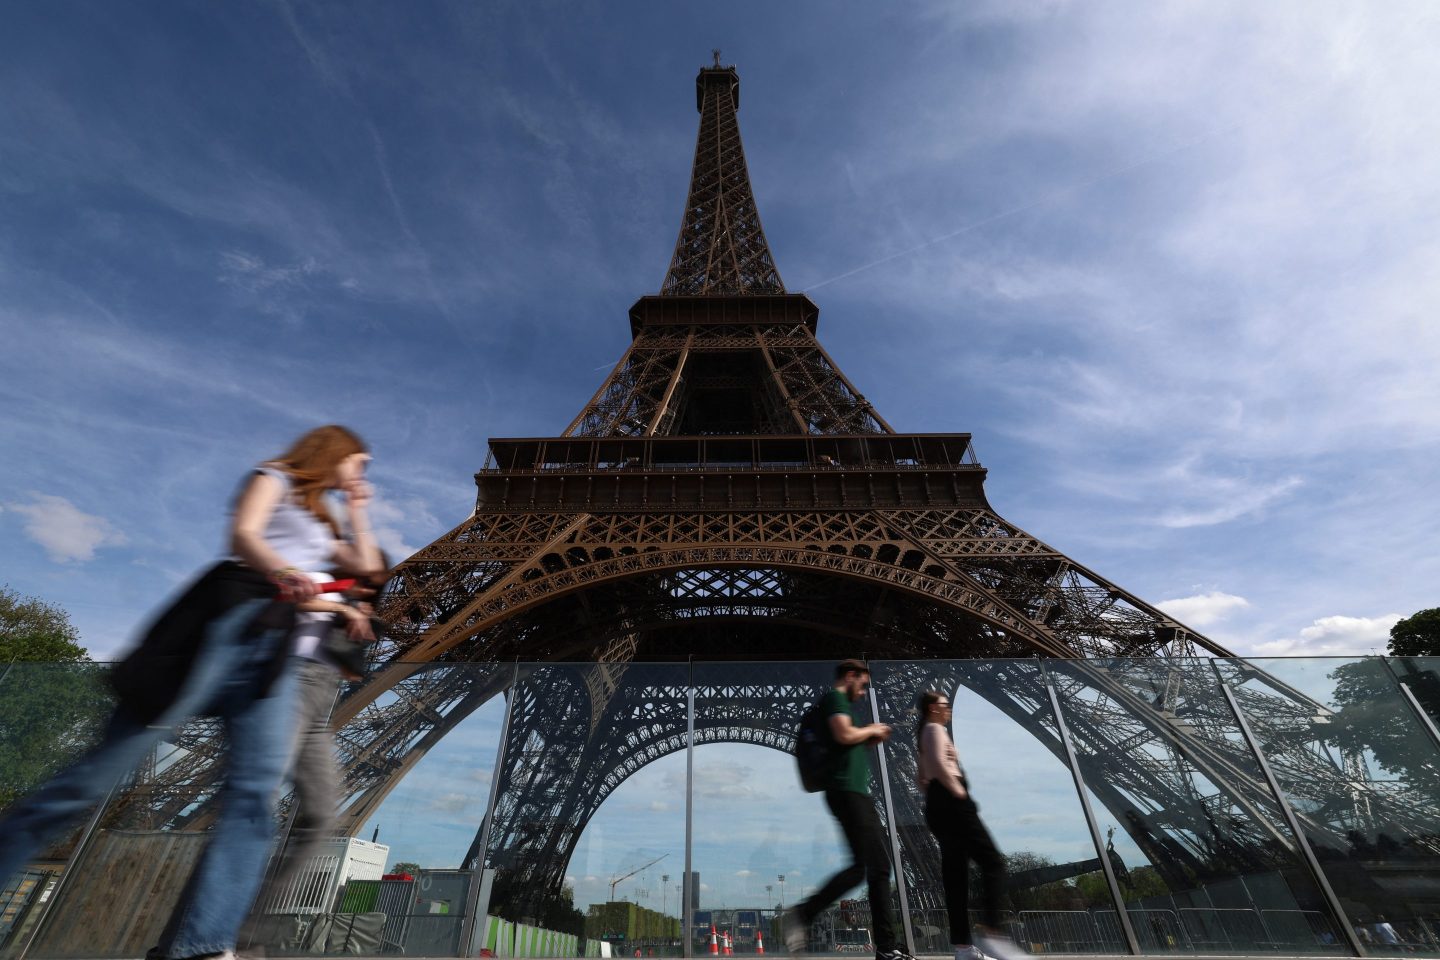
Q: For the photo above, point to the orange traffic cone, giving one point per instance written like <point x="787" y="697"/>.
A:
<point x="728" y="951"/>
<point x="714" y="942"/>
<point x="759" y="942"/>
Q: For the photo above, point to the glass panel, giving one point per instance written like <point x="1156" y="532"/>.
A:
<point x="1422" y="676"/>
<point x="415" y="814"/>
<point x="1363" y="776"/>
<point x="51" y="714"/>
<point x="1205" y="859"/>
<point x="761" y="843"/>
<point x="589" y="826"/>
<point x="1055" y="900"/>
<point x="588" y="846"/>
<point x="156" y="826"/>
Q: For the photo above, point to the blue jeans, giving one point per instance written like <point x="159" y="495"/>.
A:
<point x="226" y="680"/>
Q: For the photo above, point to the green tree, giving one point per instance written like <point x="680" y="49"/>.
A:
<point x="1373" y="718"/>
<point x="405" y="866"/>
<point x="1418" y="635"/>
<point x="559" y="913"/>
<point x="54" y="701"/>
<point x="33" y="631"/>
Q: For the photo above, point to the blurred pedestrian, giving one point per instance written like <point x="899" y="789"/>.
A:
<point x="328" y="645"/>
<point x="847" y="794"/>
<point x="220" y="650"/>
<point x="954" y="819"/>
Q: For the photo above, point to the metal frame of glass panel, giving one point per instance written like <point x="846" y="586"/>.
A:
<point x="1317" y="873"/>
<point x="1111" y="881"/>
<point x="893" y="834"/>
<point x="1419" y="710"/>
<point x="687" y="907"/>
<point x="1239" y="695"/>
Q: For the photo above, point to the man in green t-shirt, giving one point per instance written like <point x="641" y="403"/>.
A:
<point x="847" y="794"/>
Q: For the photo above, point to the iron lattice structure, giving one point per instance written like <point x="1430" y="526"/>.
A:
<point x="721" y="248"/>
<point x="728" y="494"/>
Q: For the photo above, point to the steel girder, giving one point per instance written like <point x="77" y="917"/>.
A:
<point x="789" y="384"/>
<point x="721" y="247"/>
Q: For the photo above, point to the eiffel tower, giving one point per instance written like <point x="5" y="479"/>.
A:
<point x="728" y="494"/>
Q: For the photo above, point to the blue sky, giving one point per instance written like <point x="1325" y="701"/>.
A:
<point x="1174" y="266"/>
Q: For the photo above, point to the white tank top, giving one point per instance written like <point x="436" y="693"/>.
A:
<point x="300" y="537"/>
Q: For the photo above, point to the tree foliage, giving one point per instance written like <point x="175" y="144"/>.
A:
<point x="1417" y="635"/>
<point x="1374" y="721"/>
<point x="52" y="699"/>
<point x="405" y="866"/>
<point x="33" y="631"/>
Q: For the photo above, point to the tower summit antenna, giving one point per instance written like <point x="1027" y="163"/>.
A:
<point x="716" y="53"/>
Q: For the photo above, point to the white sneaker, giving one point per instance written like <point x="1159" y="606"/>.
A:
<point x="793" y="932"/>
<point x="1000" y="947"/>
<point x="968" y="952"/>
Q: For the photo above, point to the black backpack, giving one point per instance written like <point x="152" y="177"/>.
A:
<point x="814" y="749"/>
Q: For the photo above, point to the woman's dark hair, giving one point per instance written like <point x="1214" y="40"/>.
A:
<point x="927" y="699"/>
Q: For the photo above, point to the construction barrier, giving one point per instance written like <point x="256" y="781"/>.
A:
<point x="504" y="938"/>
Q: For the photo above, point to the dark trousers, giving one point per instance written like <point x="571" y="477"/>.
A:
<point x="870" y="862"/>
<point x="963" y="838"/>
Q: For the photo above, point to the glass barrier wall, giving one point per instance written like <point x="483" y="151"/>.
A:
<point x="1196" y="807"/>
<point x="761" y="844"/>
<point x="1357" y="764"/>
<point x="587" y="832"/>
<point x="1016" y="773"/>
<point x="50" y="714"/>
<point x="1203" y="855"/>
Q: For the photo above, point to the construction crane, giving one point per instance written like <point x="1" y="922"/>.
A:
<point x="616" y="882"/>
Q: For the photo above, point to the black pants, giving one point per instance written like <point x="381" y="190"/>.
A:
<point x="963" y="838"/>
<point x="870" y="862"/>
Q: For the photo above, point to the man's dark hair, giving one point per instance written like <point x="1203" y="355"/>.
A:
<point x="850" y="666"/>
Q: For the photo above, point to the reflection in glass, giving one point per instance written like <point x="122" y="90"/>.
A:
<point x="1009" y="748"/>
<point x="1363" y="776"/>
<point x="50" y="713"/>
<point x="586" y="845"/>
<point x="1205" y="859"/>
<point x="578" y="732"/>
<point x="761" y="844"/>
<point x="1421" y="676"/>
<point x="411" y="856"/>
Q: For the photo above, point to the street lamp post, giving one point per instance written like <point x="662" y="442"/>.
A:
<point x="781" y="878"/>
<point x="664" y="894"/>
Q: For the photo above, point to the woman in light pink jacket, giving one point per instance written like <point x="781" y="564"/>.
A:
<point x="954" y="819"/>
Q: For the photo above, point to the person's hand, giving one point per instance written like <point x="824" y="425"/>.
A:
<point x="358" y="494"/>
<point x="880" y="732"/>
<point x="294" y="585"/>
<point x="357" y="626"/>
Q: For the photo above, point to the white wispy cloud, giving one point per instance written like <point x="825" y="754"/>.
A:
<point x="1334" y="636"/>
<point x="67" y="533"/>
<point x="453" y="803"/>
<point x="1234" y="504"/>
<point x="399" y="520"/>
<point x="1204" y="608"/>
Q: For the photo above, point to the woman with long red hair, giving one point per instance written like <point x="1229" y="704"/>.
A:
<point x="221" y="650"/>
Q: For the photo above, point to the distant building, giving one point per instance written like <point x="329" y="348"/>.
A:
<point x="692" y="880"/>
